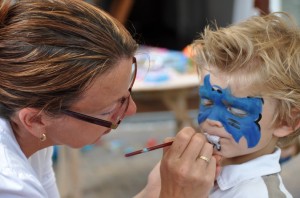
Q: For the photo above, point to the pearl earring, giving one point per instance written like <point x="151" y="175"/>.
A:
<point x="43" y="137"/>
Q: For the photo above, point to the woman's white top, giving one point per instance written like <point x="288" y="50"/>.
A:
<point x="20" y="176"/>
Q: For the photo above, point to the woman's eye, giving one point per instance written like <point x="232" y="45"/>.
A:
<point x="206" y="102"/>
<point x="112" y="109"/>
<point x="106" y="113"/>
<point x="123" y="100"/>
<point x="237" y="112"/>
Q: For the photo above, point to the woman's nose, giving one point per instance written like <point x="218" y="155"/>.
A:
<point x="214" y="123"/>
<point x="131" y="107"/>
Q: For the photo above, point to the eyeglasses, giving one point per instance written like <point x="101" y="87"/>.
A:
<point x="117" y="114"/>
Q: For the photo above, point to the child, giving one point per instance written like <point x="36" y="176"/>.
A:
<point x="250" y="101"/>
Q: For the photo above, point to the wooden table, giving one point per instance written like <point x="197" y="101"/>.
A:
<point x="173" y="93"/>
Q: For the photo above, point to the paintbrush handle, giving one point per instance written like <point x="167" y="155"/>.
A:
<point x="144" y="150"/>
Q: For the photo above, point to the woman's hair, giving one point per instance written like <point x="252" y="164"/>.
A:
<point x="263" y="52"/>
<point x="51" y="51"/>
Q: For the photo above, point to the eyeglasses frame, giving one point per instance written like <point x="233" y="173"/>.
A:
<point x="101" y="122"/>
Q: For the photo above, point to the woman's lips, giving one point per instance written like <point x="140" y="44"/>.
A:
<point x="107" y="131"/>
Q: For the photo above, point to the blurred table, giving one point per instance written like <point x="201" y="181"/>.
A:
<point x="173" y="93"/>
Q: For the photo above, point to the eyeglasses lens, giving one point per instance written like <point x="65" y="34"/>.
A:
<point x="123" y="105"/>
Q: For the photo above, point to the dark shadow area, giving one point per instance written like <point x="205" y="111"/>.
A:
<point x="171" y="24"/>
<point x="174" y="24"/>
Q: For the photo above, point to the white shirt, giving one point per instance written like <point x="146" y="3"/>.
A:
<point x="22" y="177"/>
<point x="257" y="178"/>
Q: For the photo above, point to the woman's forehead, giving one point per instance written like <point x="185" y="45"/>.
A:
<point x="115" y="81"/>
<point x="109" y="87"/>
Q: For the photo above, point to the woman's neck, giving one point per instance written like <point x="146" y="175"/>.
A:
<point x="28" y="143"/>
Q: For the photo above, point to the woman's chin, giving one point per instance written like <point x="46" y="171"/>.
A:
<point x="99" y="138"/>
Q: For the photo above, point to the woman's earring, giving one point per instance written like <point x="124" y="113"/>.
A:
<point x="43" y="137"/>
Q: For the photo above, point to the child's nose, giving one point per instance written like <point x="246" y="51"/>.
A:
<point x="214" y="123"/>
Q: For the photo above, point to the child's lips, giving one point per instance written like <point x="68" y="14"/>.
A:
<point x="213" y="139"/>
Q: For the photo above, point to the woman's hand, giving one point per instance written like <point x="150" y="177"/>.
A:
<point x="219" y="164"/>
<point x="153" y="186"/>
<point x="184" y="173"/>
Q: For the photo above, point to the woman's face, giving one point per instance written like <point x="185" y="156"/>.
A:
<point x="98" y="101"/>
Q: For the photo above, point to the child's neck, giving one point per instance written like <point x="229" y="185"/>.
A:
<point x="268" y="149"/>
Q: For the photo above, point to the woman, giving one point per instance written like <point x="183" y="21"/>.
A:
<point x="66" y="72"/>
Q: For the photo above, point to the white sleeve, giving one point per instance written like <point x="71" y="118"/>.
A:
<point x="42" y="164"/>
<point x="48" y="176"/>
<point x="16" y="185"/>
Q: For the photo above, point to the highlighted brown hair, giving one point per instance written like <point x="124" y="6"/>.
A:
<point x="51" y="50"/>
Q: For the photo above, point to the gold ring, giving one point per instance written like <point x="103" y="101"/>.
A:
<point x="204" y="158"/>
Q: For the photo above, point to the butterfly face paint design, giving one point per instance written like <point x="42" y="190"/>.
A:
<point x="239" y="116"/>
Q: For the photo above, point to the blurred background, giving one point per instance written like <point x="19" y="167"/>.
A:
<point x="175" y="23"/>
<point x="166" y="96"/>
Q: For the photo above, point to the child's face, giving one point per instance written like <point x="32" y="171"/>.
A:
<point x="227" y="110"/>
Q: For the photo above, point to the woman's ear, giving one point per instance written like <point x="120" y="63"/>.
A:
<point x="32" y="121"/>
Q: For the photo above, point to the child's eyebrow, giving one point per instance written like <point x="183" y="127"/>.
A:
<point x="217" y="88"/>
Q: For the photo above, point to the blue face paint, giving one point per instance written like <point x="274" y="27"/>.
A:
<point x="239" y="116"/>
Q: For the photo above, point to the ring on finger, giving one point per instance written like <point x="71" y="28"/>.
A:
<point x="204" y="158"/>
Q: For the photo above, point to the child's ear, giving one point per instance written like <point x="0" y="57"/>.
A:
<point x="286" y="130"/>
<point x="32" y="121"/>
<point x="283" y="131"/>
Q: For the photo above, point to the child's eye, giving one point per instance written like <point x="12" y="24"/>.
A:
<point x="237" y="112"/>
<point x="206" y="102"/>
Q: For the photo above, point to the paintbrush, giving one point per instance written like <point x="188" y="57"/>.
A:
<point x="145" y="150"/>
